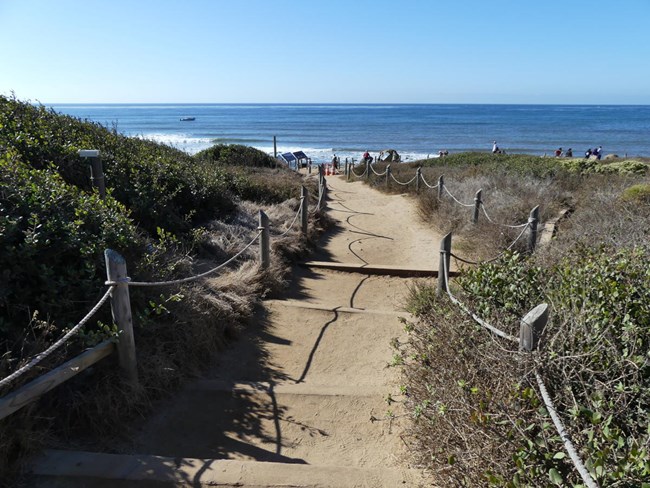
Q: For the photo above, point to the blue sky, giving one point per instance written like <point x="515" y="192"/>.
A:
<point x="334" y="51"/>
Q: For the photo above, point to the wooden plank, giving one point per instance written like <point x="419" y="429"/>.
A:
<point x="41" y="385"/>
<point x="376" y="269"/>
<point x="333" y="308"/>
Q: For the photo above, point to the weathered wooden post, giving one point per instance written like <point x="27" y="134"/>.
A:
<point x="309" y="166"/>
<point x="445" y="259"/>
<point x="532" y="326"/>
<point x="304" y="209"/>
<point x="96" y="169"/>
<point x="275" y="147"/>
<point x="265" y="247"/>
<point x="418" y="175"/>
<point x="387" y="176"/>
<point x="441" y="185"/>
<point x="533" y="219"/>
<point x="350" y="168"/>
<point x="477" y="205"/>
<point x="367" y="169"/>
<point x="121" y="310"/>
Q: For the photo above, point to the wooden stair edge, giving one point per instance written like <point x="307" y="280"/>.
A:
<point x="335" y="308"/>
<point x="167" y="471"/>
<point x="376" y="269"/>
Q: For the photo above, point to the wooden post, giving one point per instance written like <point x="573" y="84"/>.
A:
<point x="418" y="175"/>
<point x="275" y="147"/>
<point x="533" y="219"/>
<point x="477" y="205"/>
<point x="532" y="326"/>
<point x="350" y="169"/>
<point x="265" y="248"/>
<point x="121" y="310"/>
<point x="441" y="185"/>
<point x="96" y="169"/>
<point x="445" y="259"/>
<point x="304" y="212"/>
<point x="367" y="169"/>
<point x="387" y="176"/>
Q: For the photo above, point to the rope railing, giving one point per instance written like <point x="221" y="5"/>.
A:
<point x="561" y="430"/>
<point x="378" y="174"/>
<point x="403" y="183"/>
<point x="467" y="261"/>
<point x="579" y="465"/>
<point x="295" y="219"/>
<point x="189" y="278"/>
<point x="41" y="356"/>
<point x="365" y="170"/>
<point x="480" y="321"/>
<point x="126" y="280"/>
<point x="455" y="199"/>
<point x="498" y="223"/>
<point x="427" y="184"/>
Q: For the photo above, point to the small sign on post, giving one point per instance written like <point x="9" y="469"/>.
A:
<point x="96" y="169"/>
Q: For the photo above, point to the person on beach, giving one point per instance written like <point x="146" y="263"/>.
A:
<point x="495" y="148"/>
<point x="335" y="164"/>
<point x="367" y="157"/>
<point x="558" y="152"/>
<point x="588" y="153"/>
<point x="568" y="153"/>
<point x="598" y="152"/>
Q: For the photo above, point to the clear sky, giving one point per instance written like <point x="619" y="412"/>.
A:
<point x="326" y="51"/>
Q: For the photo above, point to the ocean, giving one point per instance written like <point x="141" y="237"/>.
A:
<point x="415" y="131"/>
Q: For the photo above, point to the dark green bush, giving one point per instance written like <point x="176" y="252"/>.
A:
<point x="52" y="240"/>
<point x="236" y="155"/>
<point x="593" y="357"/>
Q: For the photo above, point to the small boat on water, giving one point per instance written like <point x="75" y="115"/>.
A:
<point x="187" y="119"/>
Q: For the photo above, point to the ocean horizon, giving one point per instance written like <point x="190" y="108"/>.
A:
<point x="416" y="131"/>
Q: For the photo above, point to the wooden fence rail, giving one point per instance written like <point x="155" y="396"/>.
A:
<point x="124" y="344"/>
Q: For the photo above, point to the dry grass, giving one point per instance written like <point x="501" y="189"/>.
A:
<point x="175" y="339"/>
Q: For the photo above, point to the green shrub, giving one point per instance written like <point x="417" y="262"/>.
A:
<point x="236" y="155"/>
<point x="52" y="240"/>
<point x="637" y="194"/>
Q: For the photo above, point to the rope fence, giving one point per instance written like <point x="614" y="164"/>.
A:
<point x="440" y="186"/>
<point x="41" y="356"/>
<point x="531" y="329"/>
<point x="118" y="283"/>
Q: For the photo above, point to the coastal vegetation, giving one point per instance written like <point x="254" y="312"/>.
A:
<point x="170" y="215"/>
<point x="478" y="418"/>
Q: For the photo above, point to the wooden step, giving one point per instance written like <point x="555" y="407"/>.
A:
<point x="76" y="469"/>
<point x="377" y="269"/>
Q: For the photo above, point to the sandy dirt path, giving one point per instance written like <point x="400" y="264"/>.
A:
<point x="307" y="385"/>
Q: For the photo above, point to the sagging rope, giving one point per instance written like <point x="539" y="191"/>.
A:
<point x="491" y="328"/>
<point x="378" y="174"/>
<point x="588" y="480"/>
<point x="359" y="175"/>
<point x="403" y="184"/>
<point x="502" y="225"/>
<point x="295" y="218"/>
<point x="456" y="200"/>
<point x="427" y="184"/>
<point x="190" y="278"/>
<point x="39" y="357"/>
<point x="498" y="255"/>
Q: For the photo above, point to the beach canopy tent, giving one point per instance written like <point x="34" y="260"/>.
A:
<point x="294" y="160"/>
